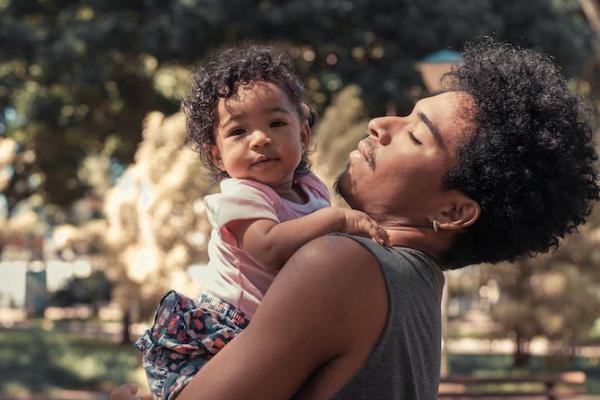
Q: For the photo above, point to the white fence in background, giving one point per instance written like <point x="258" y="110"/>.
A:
<point x="12" y="277"/>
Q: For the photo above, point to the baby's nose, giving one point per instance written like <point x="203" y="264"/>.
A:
<point x="260" y="138"/>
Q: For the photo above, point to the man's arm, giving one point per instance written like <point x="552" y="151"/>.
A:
<point x="328" y="302"/>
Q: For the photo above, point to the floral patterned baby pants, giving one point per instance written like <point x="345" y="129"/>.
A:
<point x="185" y="335"/>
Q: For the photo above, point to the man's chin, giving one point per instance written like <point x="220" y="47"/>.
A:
<point x="340" y="187"/>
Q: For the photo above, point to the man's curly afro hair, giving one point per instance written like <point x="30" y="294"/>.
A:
<point x="220" y="77"/>
<point x="529" y="160"/>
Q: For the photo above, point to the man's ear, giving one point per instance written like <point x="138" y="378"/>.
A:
<point x="459" y="213"/>
<point x="215" y="156"/>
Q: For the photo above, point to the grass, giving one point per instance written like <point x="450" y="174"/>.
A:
<point x="37" y="360"/>
<point x="42" y="360"/>
<point x="499" y="365"/>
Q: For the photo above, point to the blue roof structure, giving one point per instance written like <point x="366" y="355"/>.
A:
<point x="443" y="56"/>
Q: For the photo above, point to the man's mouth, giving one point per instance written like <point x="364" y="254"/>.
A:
<point x="366" y="148"/>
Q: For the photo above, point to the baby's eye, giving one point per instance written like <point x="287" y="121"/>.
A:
<point x="278" y="123"/>
<point x="237" y="132"/>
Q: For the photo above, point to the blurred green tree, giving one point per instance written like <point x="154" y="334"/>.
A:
<point x="93" y="290"/>
<point x="77" y="77"/>
<point x="556" y="296"/>
<point x="154" y="224"/>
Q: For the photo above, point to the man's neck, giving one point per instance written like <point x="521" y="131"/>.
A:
<point x="420" y="236"/>
<point x="411" y="231"/>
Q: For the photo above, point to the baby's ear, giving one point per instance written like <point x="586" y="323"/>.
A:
<point x="310" y="115"/>
<point x="305" y="132"/>
<point x="215" y="156"/>
<point x="310" y="118"/>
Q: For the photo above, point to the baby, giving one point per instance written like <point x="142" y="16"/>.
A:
<point x="247" y="119"/>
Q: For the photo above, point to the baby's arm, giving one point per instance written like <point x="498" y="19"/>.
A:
<point x="271" y="244"/>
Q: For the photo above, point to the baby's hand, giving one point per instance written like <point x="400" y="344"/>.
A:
<point x="360" y="223"/>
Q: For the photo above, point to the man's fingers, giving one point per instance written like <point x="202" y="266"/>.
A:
<point x="133" y="388"/>
<point x="124" y="392"/>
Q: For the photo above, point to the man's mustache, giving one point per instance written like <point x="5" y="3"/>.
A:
<point x="369" y="152"/>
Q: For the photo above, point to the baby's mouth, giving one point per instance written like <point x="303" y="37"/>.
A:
<point x="263" y="159"/>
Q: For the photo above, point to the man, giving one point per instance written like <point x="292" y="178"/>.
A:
<point x="500" y="167"/>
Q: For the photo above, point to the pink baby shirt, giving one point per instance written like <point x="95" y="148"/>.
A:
<point x="232" y="275"/>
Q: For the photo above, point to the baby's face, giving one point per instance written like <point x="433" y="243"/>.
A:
<point x="259" y="135"/>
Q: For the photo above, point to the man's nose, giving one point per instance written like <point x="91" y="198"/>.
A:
<point x="259" y="139"/>
<point x="381" y="128"/>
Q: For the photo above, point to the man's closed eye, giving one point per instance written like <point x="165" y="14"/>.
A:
<point x="414" y="139"/>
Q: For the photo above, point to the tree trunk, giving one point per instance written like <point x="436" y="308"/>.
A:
<point x="592" y="13"/>
<point x="521" y="356"/>
<point x="126" y="335"/>
<point x="95" y="309"/>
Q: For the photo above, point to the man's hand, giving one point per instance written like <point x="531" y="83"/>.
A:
<point x="360" y="223"/>
<point x="128" y="391"/>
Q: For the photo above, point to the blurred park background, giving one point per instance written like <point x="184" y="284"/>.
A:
<point x="101" y="205"/>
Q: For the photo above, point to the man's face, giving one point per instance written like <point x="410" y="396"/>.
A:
<point x="397" y="170"/>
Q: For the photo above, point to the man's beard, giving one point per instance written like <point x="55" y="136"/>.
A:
<point x="341" y="189"/>
<point x="337" y="185"/>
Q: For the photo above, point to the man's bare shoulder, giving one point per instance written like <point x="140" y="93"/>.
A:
<point x="337" y="272"/>
<point x="333" y="257"/>
<point x="341" y="298"/>
<point x="336" y="250"/>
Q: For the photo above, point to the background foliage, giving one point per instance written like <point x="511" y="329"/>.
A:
<point x="78" y="76"/>
<point x="84" y="161"/>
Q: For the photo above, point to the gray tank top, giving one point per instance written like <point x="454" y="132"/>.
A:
<point x="405" y="363"/>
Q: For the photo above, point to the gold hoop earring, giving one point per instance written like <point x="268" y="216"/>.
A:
<point x="436" y="225"/>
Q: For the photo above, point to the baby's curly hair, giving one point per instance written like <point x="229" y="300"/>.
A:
<point x="529" y="160"/>
<point x="220" y="78"/>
